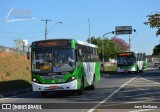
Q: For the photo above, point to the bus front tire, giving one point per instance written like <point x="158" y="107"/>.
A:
<point x="92" y="87"/>
<point x="80" y="91"/>
<point x="141" y="71"/>
<point x="137" y="71"/>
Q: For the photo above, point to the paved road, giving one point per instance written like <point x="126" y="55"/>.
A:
<point x="127" y="93"/>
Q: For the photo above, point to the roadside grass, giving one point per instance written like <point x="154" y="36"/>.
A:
<point x="14" y="72"/>
<point x="109" y="70"/>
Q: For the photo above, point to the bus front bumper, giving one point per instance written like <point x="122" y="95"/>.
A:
<point x="132" y="69"/>
<point x="55" y="87"/>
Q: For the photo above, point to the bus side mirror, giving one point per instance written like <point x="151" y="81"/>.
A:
<point x="28" y="55"/>
<point x="80" y="52"/>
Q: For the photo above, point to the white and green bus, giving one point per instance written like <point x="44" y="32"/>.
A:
<point x="64" y="64"/>
<point x="131" y="62"/>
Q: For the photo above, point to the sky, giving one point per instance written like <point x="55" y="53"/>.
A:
<point x="103" y="15"/>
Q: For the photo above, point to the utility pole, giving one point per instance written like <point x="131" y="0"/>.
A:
<point x="89" y="31"/>
<point x="18" y="44"/>
<point x="46" y="21"/>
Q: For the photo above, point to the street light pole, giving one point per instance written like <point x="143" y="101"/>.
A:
<point x="131" y="39"/>
<point x="103" y="49"/>
<point x="129" y="43"/>
<point x="54" y="25"/>
<point x="103" y="46"/>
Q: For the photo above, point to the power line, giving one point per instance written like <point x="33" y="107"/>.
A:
<point x="96" y="29"/>
<point x="54" y="25"/>
<point x="46" y="21"/>
<point x="31" y="35"/>
<point x="74" y="24"/>
<point x="20" y="32"/>
<point x="4" y="34"/>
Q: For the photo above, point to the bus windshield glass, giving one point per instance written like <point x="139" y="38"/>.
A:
<point x="53" y="60"/>
<point x="125" y="60"/>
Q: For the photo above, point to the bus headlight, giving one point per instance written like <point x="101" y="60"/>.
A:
<point x="72" y="78"/>
<point x="34" y="80"/>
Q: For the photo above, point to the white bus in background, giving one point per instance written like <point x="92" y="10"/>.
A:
<point x="131" y="62"/>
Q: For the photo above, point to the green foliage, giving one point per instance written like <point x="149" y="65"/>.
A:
<point x="111" y="47"/>
<point x="110" y="68"/>
<point x="156" y="50"/>
<point x="154" y="22"/>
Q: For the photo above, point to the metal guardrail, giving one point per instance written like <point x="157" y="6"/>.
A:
<point x="12" y="50"/>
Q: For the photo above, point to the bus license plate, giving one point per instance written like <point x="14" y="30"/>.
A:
<point x="53" y="87"/>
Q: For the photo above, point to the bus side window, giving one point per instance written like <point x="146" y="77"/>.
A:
<point x="77" y="55"/>
<point x="81" y="57"/>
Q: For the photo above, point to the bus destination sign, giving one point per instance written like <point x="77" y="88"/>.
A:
<point x="53" y="43"/>
<point x="125" y="54"/>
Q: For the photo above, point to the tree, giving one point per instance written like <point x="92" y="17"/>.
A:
<point x="111" y="47"/>
<point x="154" y="22"/>
<point x="121" y="44"/>
<point x="97" y="41"/>
<point x="156" y="50"/>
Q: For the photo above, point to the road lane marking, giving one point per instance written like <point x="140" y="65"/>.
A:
<point x="144" y="85"/>
<point x="147" y="93"/>
<point x="15" y="96"/>
<point x="149" y="80"/>
<point x="139" y="89"/>
<point x="117" y="90"/>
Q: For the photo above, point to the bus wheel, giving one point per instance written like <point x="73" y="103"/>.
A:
<point x="141" y="71"/>
<point x="92" y="87"/>
<point x="80" y="91"/>
<point x="137" y="70"/>
<point x="44" y="94"/>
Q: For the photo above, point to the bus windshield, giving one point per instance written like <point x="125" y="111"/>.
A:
<point x="125" y="60"/>
<point x="53" y="60"/>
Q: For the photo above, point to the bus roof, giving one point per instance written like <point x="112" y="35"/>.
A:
<point x="78" y="41"/>
<point x="86" y="44"/>
<point x="131" y="52"/>
<point x="53" y="39"/>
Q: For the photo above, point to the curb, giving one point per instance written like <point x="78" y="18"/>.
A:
<point x="16" y="92"/>
<point x="151" y="68"/>
<point x="104" y="75"/>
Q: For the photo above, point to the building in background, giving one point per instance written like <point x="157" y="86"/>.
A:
<point x="153" y="60"/>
